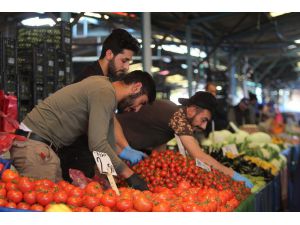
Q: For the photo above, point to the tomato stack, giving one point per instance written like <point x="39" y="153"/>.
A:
<point x="30" y="194"/>
<point x="168" y="168"/>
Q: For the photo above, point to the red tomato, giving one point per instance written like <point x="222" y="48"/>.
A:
<point x="14" y="196"/>
<point x="68" y="187"/>
<point x="184" y="185"/>
<point x="11" y="186"/>
<point x="23" y="205"/>
<point x="176" y="208"/>
<point x="90" y="201"/>
<point x="109" y="199"/>
<point x="60" y="196"/>
<point x="1" y="167"/>
<point x="11" y="205"/>
<point x="124" y="204"/>
<point x="9" y="175"/>
<point x="74" y="201"/>
<point x="80" y="209"/>
<point x="162" y="206"/>
<point x="76" y="192"/>
<point x="142" y="204"/>
<point x="30" y="197"/>
<point x="44" y="198"/>
<point x="93" y="188"/>
<point x="25" y="184"/>
<point x="37" y="207"/>
<point x="47" y="183"/>
<point x="101" y="208"/>
<point x="3" y="193"/>
<point x="3" y="202"/>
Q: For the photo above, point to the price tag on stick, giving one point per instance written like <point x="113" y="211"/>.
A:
<point x="106" y="167"/>
<point x="202" y="165"/>
<point x="180" y="146"/>
<point x="230" y="148"/>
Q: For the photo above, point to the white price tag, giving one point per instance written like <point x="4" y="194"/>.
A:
<point x="230" y="148"/>
<point x="180" y="146"/>
<point x="61" y="73"/>
<point x="11" y="61"/>
<point x="202" y="165"/>
<point x="50" y="63"/>
<point x="67" y="40"/>
<point x="104" y="163"/>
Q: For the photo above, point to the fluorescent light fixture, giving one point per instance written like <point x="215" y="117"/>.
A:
<point x="166" y="59"/>
<point x="297" y="41"/>
<point x="91" y="14"/>
<point x="176" y="40"/>
<point x="182" y="49"/>
<point x="184" y="66"/>
<point x="292" y="46"/>
<point x="275" y="14"/>
<point x="36" y="21"/>
<point x="221" y="67"/>
<point x="219" y="88"/>
<point x="139" y="66"/>
<point x="202" y="54"/>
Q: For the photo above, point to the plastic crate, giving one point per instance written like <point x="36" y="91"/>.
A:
<point x="6" y="163"/>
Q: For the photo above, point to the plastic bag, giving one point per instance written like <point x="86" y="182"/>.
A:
<point x="80" y="180"/>
<point x="6" y="141"/>
<point x="8" y="113"/>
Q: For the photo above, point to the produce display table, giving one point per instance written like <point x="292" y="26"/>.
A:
<point x="294" y="179"/>
<point x="247" y="205"/>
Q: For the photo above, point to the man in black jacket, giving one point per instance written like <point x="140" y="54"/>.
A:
<point x="117" y="52"/>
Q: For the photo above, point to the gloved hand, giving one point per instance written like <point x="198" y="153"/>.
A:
<point x="239" y="177"/>
<point x="136" y="182"/>
<point x="132" y="155"/>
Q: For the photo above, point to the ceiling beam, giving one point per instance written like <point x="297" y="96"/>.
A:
<point x="267" y="70"/>
<point x="215" y="16"/>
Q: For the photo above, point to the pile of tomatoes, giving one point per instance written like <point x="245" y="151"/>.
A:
<point x="31" y="194"/>
<point x="169" y="168"/>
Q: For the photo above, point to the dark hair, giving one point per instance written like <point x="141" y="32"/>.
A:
<point x="119" y="40"/>
<point x="148" y="84"/>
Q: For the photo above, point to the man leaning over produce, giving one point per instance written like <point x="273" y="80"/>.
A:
<point x="117" y="52"/>
<point x="86" y="107"/>
<point x="156" y="124"/>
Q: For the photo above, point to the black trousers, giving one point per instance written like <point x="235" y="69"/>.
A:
<point x="77" y="156"/>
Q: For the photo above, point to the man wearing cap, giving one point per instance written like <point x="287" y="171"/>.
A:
<point x="240" y="114"/>
<point x="156" y="124"/>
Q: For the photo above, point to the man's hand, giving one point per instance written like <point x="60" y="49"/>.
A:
<point x="132" y="155"/>
<point x="239" y="177"/>
<point x="136" y="182"/>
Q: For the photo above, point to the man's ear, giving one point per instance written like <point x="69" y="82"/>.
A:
<point x="191" y="111"/>
<point x="136" y="87"/>
<point x="109" y="55"/>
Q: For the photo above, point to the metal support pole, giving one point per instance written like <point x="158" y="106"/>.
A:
<point x="146" y="37"/>
<point x="188" y="34"/>
<point x="65" y="16"/>
<point x="232" y="79"/>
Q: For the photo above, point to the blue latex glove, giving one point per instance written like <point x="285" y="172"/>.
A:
<point x="132" y="155"/>
<point x="239" y="177"/>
